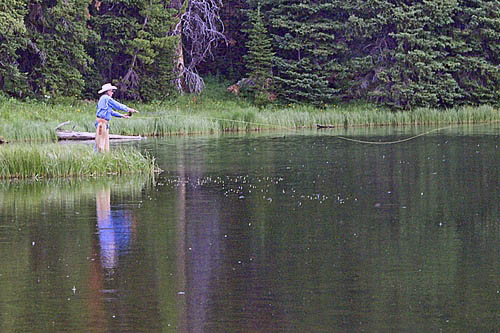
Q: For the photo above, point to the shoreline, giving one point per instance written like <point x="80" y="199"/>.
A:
<point x="20" y="124"/>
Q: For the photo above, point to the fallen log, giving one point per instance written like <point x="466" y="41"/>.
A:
<point x="73" y="135"/>
<point x="319" y="126"/>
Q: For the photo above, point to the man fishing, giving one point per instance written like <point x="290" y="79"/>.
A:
<point x="105" y="109"/>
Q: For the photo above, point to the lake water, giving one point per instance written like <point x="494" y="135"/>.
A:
<point x="292" y="231"/>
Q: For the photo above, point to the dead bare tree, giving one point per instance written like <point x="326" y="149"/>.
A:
<point x="201" y="29"/>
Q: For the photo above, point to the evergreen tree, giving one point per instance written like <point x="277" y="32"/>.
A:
<point x="421" y="74"/>
<point x="116" y="23"/>
<point x="404" y="54"/>
<point x="407" y="54"/>
<point x="56" y="56"/>
<point x="259" y="58"/>
<point x="153" y="51"/>
<point x="363" y="46"/>
<point x="12" y="40"/>
<point x="304" y="38"/>
<point x="476" y="51"/>
<point x="135" y="50"/>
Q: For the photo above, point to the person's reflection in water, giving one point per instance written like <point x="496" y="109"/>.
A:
<point x="114" y="229"/>
<point x="114" y="232"/>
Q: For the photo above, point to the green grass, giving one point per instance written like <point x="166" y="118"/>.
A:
<point x="215" y="111"/>
<point x="26" y="161"/>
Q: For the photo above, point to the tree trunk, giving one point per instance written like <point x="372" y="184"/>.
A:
<point x="179" y="65"/>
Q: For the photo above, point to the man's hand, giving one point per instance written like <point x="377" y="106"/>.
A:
<point x="131" y="112"/>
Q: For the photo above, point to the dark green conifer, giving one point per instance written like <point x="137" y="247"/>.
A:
<point x="259" y="58"/>
<point x="12" y="40"/>
<point x="154" y="51"/>
<point x="56" y="59"/>
<point x="475" y="51"/>
<point x="304" y="38"/>
<point x="135" y="50"/>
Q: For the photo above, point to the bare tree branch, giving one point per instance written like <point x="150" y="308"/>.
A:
<point x="201" y="29"/>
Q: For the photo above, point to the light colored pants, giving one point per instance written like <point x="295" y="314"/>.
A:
<point x="102" y="136"/>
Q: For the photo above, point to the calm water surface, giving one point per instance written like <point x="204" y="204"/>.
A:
<point x="294" y="232"/>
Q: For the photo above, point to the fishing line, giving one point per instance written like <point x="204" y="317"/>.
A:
<point x="391" y="142"/>
<point x="289" y="128"/>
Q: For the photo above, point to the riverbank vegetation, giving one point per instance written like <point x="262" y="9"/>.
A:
<point x="216" y="111"/>
<point x="72" y="160"/>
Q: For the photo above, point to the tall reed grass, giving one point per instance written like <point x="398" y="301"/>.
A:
<point x="216" y="111"/>
<point x="51" y="160"/>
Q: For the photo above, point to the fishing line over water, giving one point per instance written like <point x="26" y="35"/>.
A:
<point x="294" y="129"/>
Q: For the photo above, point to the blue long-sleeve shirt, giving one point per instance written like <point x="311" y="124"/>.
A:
<point x="106" y="105"/>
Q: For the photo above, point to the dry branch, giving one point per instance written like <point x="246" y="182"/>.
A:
<point x="202" y="29"/>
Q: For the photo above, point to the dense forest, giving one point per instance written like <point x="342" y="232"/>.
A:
<point x="398" y="53"/>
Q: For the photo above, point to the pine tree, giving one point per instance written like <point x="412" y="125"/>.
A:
<point x="56" y="56"/>
<point x="135" y="50"/>
<point x="259" y="58"/>
<point x="12" y="40"/>
<point x="403" y="54"/>
<point x="410" y="54"/>
<point x="154" y="51"/>
<point x="363" y="46"/>
<point x="476" y="50"/>
<point x="304" y="38"/>
<point x="421" y="73"/>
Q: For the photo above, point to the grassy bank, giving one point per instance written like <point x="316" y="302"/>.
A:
<point x="215" y="111"/>
<point x="52" y="160"/>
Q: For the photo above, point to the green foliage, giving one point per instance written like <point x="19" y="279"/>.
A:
<point x="445" y="54"/>
<point x="62" y="48"/>
<point x="259" y="58"/>
<point x="135" y="50"/>
<point x="420" y="76"/>
<point x="476" y="48"/>
<point x="304" y="37"/>
<point x="401" y="54"/>
<point x="12" y="40"/>
<point x="56" y="59"/>
<point x="158" y="66"/>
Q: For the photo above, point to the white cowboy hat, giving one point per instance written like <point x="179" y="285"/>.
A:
<point x="106" y="87"/>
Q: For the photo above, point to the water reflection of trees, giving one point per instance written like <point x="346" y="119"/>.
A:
<point x="407" y="240"/>
<point x="391" y="254"/>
